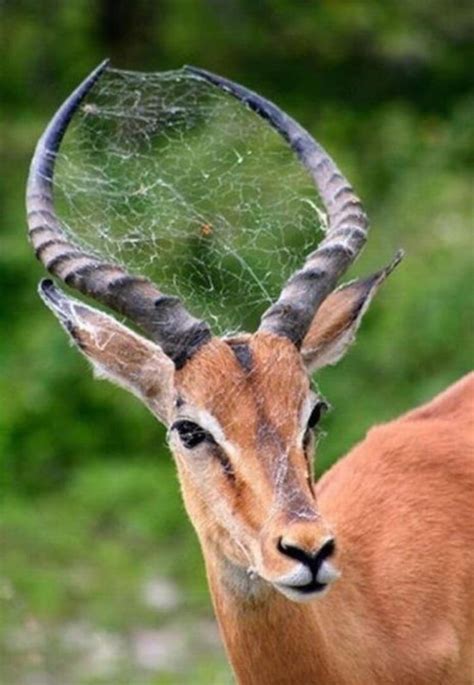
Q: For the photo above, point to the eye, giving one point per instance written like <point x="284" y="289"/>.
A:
<point x="319" y="408"/>
<point x="191" y="434"/>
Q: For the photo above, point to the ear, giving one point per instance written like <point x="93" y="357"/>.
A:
<point x="116" y="353"/>
<point x="336" y="322"/>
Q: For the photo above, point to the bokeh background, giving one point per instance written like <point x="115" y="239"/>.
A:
<point x="101" y="580"/>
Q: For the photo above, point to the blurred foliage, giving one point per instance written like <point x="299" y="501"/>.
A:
<point x="85" y="476"/>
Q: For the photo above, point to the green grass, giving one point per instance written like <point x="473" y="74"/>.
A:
<point x="77" y="562"/>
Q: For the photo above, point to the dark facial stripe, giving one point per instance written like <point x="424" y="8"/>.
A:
<point x="243" y="355"/>
<point x="224" y="462"/>
<point x="268" y="436"/>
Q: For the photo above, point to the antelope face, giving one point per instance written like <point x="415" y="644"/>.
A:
<point x="242" y="433"/>
<point x="239" y="411"/>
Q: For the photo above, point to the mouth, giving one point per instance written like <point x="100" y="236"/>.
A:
<point x="311" y="587"/>
<point x="304" y="584"/>
<point x="302" y="593"/>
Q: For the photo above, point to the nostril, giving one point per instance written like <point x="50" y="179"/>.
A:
<point x="315" y="562"/>
<point x="291" y="550"/>
<point x="327" y="549"/>
<point x="311" y="559"/>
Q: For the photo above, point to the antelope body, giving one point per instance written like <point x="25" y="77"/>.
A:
<point x="393" y="518"/>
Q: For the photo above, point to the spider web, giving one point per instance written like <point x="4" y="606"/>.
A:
<point x="178" y="181"/>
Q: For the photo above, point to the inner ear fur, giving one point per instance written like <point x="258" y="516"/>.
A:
<point x="335" y="324"/>
<point x="116" y="352"/>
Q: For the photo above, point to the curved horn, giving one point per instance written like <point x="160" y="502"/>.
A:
<point x="160" y="316"/>
<point x="347" y="228"/>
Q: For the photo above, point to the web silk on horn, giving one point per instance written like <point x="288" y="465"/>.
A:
<point x="161" y="316"/>
<point x="346" y="235"/>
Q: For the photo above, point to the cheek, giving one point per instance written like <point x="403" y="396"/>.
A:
<point x="225" y="500"/>
<point x="216" y="512"/>
<point x="205" y="484"/>
<point x="201" y="469"/>
<point x="195" y="497"/>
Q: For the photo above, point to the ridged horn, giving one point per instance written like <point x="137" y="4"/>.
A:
<point x="161" y="316"/>
<point x="347" y="224"/>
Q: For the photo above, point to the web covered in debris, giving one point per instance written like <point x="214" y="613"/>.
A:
<point x="178" y="181"/>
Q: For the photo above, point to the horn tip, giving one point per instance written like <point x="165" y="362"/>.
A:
<point x="98" y="71"/>
<point x="102" y="66"/>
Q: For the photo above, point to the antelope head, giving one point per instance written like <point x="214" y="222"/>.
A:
<point x="240" y="411"/>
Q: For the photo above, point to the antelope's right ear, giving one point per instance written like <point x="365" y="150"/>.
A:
<point x="116" y="353"/>
<point x="335" y="324"/>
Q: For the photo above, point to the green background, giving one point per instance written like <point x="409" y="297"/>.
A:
<point x="92" y="524"/>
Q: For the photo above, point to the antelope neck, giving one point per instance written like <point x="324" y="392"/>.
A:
<point x="270" y="640"/>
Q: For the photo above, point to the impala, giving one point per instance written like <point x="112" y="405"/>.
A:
<point x="363" y="578"/>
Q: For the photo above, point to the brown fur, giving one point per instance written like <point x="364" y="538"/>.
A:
<point x="400" y="506"/>
<point x="237" y="398"/>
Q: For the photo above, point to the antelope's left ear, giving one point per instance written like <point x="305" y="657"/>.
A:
<point x="116" y="353"/>
<point x="336" y="322"/>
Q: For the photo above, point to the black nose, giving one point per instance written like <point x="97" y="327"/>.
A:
<point x="311" y="559"/>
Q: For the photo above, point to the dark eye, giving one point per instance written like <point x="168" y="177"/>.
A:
<point x="191" y="434"/>
<point x="318" y="410"/>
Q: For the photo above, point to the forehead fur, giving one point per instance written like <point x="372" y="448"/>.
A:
<point x="268" y="387"/>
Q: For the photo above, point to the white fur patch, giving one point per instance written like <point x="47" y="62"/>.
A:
<point x="307" y="408"/>
<point x="327" y="573"/>
<point x="207" y="421"/>
<point x="300" y="575"/>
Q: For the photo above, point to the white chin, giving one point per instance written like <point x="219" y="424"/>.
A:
<point x="299" y="596"/>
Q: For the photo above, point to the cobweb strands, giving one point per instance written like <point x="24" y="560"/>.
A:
<point x="176" y="180"/>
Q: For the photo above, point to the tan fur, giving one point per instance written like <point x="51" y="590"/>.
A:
<point x="238" y="399"/>
<point x="399" y="505"/>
